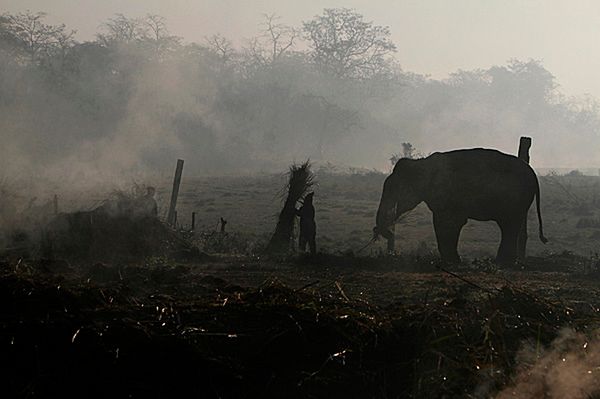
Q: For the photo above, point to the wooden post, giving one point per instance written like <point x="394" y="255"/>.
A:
<point x="172" y="216"/>
<point x="55" y="204"/>
<point x="193" y="221"/>
<point x="524" y="146"/>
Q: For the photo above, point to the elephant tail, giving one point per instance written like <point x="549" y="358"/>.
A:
<point x="539" y="213"/>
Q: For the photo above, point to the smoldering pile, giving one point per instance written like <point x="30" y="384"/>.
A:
<point x="122" y="228"/>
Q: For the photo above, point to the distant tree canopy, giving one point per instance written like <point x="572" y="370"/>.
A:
<point x="150" y="32"/>
<point x="137" y="97"/>
<point x="27" y="38"/>
<point x="346" y="45"/>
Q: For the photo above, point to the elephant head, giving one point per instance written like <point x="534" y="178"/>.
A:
<point x="402" y="191"/>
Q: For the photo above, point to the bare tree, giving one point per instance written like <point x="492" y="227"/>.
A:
<point x="156" y="27"/>
<point x="273" y="43"/>
<point x="221" y="46"/>
<point x="35" y="38"/>
<point x="150" y="34"/>
<point x="121" y="29"/>
<point x="344" y="44"/>
<point x="281" y="37"/>
<point x="158" y="35"/>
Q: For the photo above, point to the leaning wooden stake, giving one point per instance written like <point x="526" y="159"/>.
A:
<point x="524" y="146"/>
<point x="171" y="217"/>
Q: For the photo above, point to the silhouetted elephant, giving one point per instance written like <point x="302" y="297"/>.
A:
<point x="478" y="184"/>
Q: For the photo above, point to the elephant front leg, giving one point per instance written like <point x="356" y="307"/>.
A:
<point x="447" y="230"/>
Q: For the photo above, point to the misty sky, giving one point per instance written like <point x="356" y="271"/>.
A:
<point x="434" y="37"/>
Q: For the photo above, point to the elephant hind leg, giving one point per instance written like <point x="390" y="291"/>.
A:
<point x="522" y="239"/>
<point x="508" y="250"/>
<point x="447" y="231"/>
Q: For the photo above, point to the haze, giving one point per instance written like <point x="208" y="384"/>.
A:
<point x="211" y="86"/>
<point x="433" y="37"/>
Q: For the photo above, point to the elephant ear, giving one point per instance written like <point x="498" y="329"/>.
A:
<point x="411" y="172"/>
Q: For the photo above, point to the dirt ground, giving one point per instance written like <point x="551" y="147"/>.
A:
<point x="330" y="326"/>
<point x="345" y="212"/>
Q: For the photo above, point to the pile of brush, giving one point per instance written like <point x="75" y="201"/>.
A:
<point x="120" y="229"/>
<point x="301" y="179"/>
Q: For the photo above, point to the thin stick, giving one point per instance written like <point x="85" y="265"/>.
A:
<point x="366" y="246"/>
<point x="467" y="281"/>
<point x="306" y="286"/>
<point x="342" y="293"/>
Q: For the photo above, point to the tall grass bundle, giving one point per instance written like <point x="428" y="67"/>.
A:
<point x="300" y="181"/>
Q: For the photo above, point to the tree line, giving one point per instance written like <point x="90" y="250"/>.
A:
<point x="137" y="97"/>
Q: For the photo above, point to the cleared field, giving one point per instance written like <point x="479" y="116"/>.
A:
<point x="346" y="207"/>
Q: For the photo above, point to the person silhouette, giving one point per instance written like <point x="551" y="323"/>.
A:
<point x="308" y="227"/>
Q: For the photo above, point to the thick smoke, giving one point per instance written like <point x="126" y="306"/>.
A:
<point x="569" y="368"/>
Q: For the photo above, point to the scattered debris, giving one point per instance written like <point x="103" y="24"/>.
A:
<point x="160" y="330"/>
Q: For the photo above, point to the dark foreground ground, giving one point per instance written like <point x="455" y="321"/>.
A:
<point x="325" y="327"/>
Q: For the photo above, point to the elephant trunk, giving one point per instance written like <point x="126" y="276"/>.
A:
<point x="386" y="215"/>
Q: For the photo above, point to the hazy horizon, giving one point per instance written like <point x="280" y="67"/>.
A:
<point x="434" y="37"/>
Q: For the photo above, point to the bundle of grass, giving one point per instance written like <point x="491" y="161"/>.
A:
<point x="301" y="179"/>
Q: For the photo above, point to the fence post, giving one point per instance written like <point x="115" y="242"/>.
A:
<point x="524" y="146"/>
<point x="171" y="217"/>
<point x="193" y="221"/>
